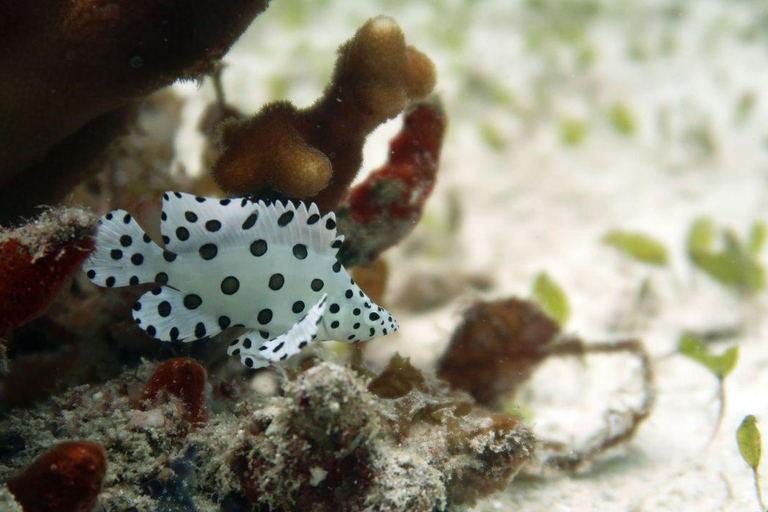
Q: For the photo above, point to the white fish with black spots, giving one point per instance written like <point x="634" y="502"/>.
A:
<point x="268" y="267"/>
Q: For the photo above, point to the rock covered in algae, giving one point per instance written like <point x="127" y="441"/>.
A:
<point x="334" y="438"/>
<point x="496" y="348"/>
<point x="400" y="442"/>
<point x="8" y="502"/>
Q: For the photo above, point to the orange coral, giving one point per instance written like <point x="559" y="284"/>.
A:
<point x="69" y="63"/>
<point x="316" y="152"/>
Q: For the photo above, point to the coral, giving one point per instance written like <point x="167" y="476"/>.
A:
<point x="383" y="209"/>
<point x="38" y="258"/>
<point x="496" y="347"/>
<point x="69" y="66"/>
<point x="402" y="441"/>
<point x="316" y="152"/>
<point x="184" y="379"/>
<point x="67" y="478"/>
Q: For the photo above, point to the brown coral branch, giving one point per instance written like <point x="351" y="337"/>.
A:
<point x="316" y="152"/>
<point x="382" y="210"/>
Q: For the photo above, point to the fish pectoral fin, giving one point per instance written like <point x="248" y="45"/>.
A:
<point x="170" y="315"/>
<point x="256" y="355"/>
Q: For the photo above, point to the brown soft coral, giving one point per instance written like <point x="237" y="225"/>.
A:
<point x="69" y="63"/>
<point x="316" y="152"/>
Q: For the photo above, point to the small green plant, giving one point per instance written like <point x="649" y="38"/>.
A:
<point x="745" y="106"/>
<point x="638" y="246"/>
<point x="573" y="131"/>
<point x="736" y="264"/>
<point x="622" y="119"/>
<point x="702" y="138"/>
<point x="750" y="447"/>
<point x="552" y="299"/>
<point x="493" y="137"/>
<point x="721" y="365"/>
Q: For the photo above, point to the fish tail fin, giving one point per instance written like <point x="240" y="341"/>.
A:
<point x="124" y="254"/>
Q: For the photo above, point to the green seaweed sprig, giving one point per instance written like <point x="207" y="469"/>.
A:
<point x="552" y="298"/>
<point x="736" y="264"/>
<point x="638" y="246"/>
<point x="720" y="365"/>
<point x="750" y="447"/>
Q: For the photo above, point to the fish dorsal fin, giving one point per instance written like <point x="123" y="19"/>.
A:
<point x="253" y="351"/>
<point x="288" y="224"/>
<point x="189" y="221"/>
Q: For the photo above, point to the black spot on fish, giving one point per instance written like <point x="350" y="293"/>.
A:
<point x="259" y="248"/>
<point x="300" y="251"/>
<point x="276" y="281"/>
<point x="208" y="251"/>
<point x="265" y="316"/>
<point x="192" y="301"/>
<point x="285" y="218"/>
<point x="250" y="221"/>
<point x="230" y="285"/>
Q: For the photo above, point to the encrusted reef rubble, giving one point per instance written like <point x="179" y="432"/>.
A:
<point x="332" y="440"/>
